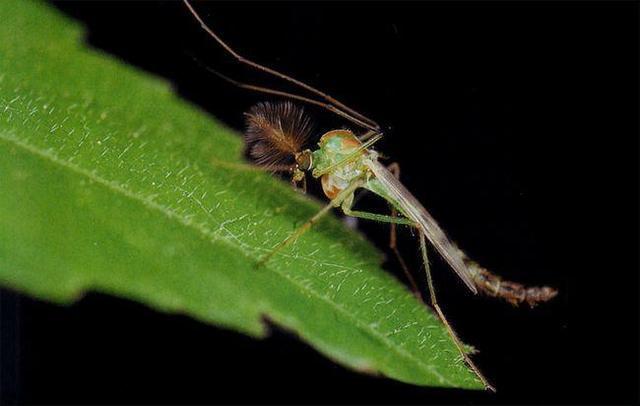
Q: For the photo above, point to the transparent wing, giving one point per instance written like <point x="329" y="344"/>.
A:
<point x="412" y="208"/>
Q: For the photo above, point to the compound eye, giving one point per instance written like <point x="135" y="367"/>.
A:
<point x="304" y="160"/>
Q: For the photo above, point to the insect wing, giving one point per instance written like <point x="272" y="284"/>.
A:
<point x="414" y="210"/>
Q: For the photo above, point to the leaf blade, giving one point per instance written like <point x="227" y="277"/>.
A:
<point x="118" y="186"/>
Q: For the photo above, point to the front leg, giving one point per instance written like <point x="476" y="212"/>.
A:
<point x="366" y="136"/>
<point x="345" y="195"/>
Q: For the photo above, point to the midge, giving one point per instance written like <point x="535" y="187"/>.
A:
<point x="344" y="161"/>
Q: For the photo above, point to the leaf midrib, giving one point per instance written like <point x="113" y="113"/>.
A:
<point x="213" y="237"/>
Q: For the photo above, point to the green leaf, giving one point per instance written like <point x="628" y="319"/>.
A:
<point x="109" y="182"/>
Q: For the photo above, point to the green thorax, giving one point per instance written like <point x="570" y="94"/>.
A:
<point x="335" y="147"/>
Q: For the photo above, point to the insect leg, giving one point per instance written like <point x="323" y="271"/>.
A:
<point x="393" y="241"/>
<point x="423" y="248"/>
<point x="248" y="167"/>
<point x="294" y="184"/>
<point x="241" y="59"/>
<point x="383" y="218"/>
<point x="370" y="133"/>
<point x="344" y="194"/>
<point x="452" y="333"/>
<point x="393" y="220"/>
<point x="260" y="89"/>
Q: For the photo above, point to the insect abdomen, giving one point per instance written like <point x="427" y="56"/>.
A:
<point x="512" y="292"/>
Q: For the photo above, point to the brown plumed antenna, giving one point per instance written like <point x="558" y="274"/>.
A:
<point x="275" y="133"/>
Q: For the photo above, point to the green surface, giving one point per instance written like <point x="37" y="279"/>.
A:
<point x="111" y="183"/>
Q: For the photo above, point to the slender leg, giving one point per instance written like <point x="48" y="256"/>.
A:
<point x="344" y="194"/>
<point x="452" y="333"/>
<point x="248" y="167"/>
<point x="303" y="189"/>
<point x="393" y="220"/>
<point x="434" y="302"/>
<point x="393" y="241"/>
<point x="357" y="196"/>
<point x="364" y="137"/>
<point x="337" y="106"/>
<point x="298" y="232"/>
<point x="383" y="218"/>
<point x="266" y="90"/>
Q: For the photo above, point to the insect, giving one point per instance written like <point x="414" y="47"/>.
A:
<point x="345" y="161"/>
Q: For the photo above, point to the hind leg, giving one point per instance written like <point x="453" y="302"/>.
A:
<point x="393" y="240"/>
<point x="452" y="333"/>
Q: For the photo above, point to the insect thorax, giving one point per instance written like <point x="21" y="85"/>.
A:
<point x="335" y="146"/>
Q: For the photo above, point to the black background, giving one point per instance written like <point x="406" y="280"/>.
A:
<point x="516" y="125"/>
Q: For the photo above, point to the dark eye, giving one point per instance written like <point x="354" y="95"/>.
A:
<point x="304" y="161"/>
